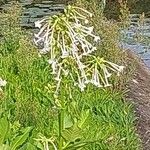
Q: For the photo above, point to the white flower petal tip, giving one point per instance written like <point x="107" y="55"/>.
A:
<point x="36" y="36"/>
<point x="108" y="75"/>
<point x="45" y="50"/>
<point x="121" y="68"/>
<point x="87" y="81"/>
<point x="39" y="55"/>
<point x="135" y="81"/>
<point x="94" y="49"/>
<point x="64" y="54"/>
<point x="91" y="15"/>
<point x="66" y="72"/>
<point x="2" y="82"/>
<point x="78" y="25"/>
<point x="96" y="38"/>
<point x="97" y="84"/>
<point x="57" y="79"/>
<point x="38" y="24"/>
<point x="50" y="61"/>
<point x="91" y="29"/>
<point x="107" y="85"/>
<point x="86" y="21"/>
<point x="81" y="87"/>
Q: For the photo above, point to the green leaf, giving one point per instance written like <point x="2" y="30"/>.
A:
<point x="76" y="146"/>
<point x="4" y="147"/>
<point x="19" y="140"/>
<point x="4" y="129"/>
<point x="72" y="134"/>
<point x="28" y="146"/>
<point x="83" y="118"/>
<point x="39" y="145"/>
<point x="68" y="122"/>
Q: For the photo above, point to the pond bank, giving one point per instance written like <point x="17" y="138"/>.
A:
<point x="139" y="95"/>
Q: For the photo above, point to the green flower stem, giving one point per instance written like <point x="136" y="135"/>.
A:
<point x="61" y="127"/>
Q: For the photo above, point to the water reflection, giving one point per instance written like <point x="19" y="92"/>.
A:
<point x="36" y="9"/>
<point x="137" y="37"/>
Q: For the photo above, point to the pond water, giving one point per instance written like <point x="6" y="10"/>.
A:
<point x="35" y="9"/>
<point x="136" y="37"/>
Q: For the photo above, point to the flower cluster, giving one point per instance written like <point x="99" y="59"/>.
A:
<point x="70" y="45"/>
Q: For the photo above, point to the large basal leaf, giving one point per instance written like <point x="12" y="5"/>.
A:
<point x="72" y="134"/>
<point x="19" y="140"/>
<point x="76" y="146"/>
<point x="68" y="122"/>
<point x="4" y="129"/>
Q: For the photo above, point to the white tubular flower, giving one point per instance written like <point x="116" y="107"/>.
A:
<point x="106" y="76"/>
<point x="81" y="83"/>
<point x="101" y="72"/>
<point x="41" y="31"/>
<point x="38" y="24"/>
<point x="38" y="40"/>
<point x="114" y="67"/>
<point x="95" y="78"/>
<point x="54" y="66"/>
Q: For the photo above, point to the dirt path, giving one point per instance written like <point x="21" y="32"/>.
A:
<point x="139" y="94"/>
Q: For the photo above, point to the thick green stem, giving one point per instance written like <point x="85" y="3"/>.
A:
<point x="61" y="127"/>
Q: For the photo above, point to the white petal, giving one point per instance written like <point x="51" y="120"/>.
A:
<point x="96" y="38"/>
<point x="51" y="61"/>
<point x="38" y="24"/>
<point x="86" y="21"/>
<point x="64" y="54"/>
<point x="2" y="82"/>
<point x="44" y="50"/>
<point x="91" y="29"/>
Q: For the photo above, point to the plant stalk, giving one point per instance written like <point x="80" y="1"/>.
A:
<point x="61" y="127"/>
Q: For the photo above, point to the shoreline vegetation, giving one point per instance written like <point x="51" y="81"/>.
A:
<point x="97" y="118"/>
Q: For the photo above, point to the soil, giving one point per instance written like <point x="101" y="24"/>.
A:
<point x="139" y="94"/>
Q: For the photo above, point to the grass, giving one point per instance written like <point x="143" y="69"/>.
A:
<point x="105" y="119"/>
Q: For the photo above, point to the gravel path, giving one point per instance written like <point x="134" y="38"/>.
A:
<point x="139" y="94"/>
